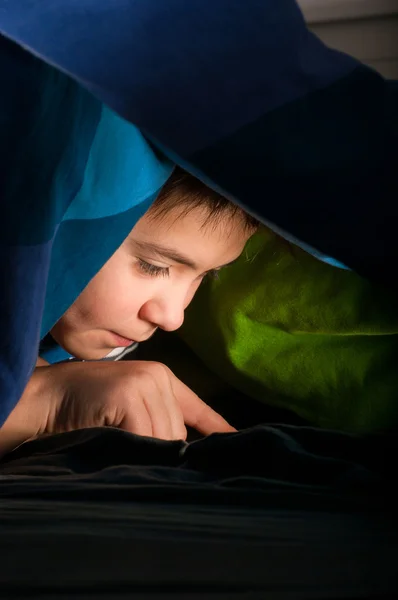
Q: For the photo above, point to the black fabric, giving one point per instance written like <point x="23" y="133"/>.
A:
<point x="273" y="511"/>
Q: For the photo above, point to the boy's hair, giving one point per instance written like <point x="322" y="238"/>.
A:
<point x="185" y="192"/>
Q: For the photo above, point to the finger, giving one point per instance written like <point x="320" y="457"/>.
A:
<point x="178" y="424"/>
<point x="150" y="404"/>
<point x="164" y="410"/>
<point x="159" y="412"/>
<point x="179" y="431"/>
<point x="198" y="414"/>
<point x="136" y="419"/>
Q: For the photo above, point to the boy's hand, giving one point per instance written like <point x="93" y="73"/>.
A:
<point x="138" y="396"/>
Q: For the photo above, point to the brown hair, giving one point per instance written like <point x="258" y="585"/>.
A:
<point x="185" y="192"/>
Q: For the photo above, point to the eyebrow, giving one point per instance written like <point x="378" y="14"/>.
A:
<point x="165" y="252"/>
<point x="171" y="254"/>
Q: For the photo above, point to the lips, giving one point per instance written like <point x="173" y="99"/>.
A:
<point x="119" y="341"/>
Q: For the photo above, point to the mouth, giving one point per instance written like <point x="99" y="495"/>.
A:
<point x="118" y="341"/>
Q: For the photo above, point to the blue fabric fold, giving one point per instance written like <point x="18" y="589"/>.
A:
<point x="75" y="179"/>
<point x="239" y="93"/>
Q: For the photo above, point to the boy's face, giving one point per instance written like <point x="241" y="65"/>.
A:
<point x="148" y="282"/>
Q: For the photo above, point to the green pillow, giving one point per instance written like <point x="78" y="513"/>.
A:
<point x="291" y="331"/>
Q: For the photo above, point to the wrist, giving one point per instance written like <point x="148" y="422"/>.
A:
<point x="30" y="416"/>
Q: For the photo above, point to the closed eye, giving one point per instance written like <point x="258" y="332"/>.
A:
<point x="152" y="270"/>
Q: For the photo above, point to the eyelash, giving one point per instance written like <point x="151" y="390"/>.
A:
<point x="152" y="270"/>
<point x="155" y="271"/>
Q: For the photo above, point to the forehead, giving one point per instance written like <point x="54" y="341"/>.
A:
<point x="207" y="243"/>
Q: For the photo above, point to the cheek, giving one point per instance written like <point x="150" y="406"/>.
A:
<point x="112" y="297"/>
<point x="118" y="299"/>
<point x="89" y="310"/>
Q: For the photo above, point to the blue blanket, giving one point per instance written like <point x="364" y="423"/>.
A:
<point x="239" y="93"/>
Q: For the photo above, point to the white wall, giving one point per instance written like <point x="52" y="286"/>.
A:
<point x="366" y="29"/>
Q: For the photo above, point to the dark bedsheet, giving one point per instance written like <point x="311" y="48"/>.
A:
<point x="270" y="512"/>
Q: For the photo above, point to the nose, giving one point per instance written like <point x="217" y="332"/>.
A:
<point x="165" y="313"/>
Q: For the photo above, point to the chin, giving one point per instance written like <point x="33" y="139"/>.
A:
<point x="85" y="352"/>
<point x="93" y="354"/>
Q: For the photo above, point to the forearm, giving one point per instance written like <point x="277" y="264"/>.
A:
<point x="28" y="417"/>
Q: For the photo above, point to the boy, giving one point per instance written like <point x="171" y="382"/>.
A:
<point x="189" y="233"/>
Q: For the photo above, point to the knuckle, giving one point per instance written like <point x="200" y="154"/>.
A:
<point x="158" y="370"/>
<point x="158" y="367"/>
